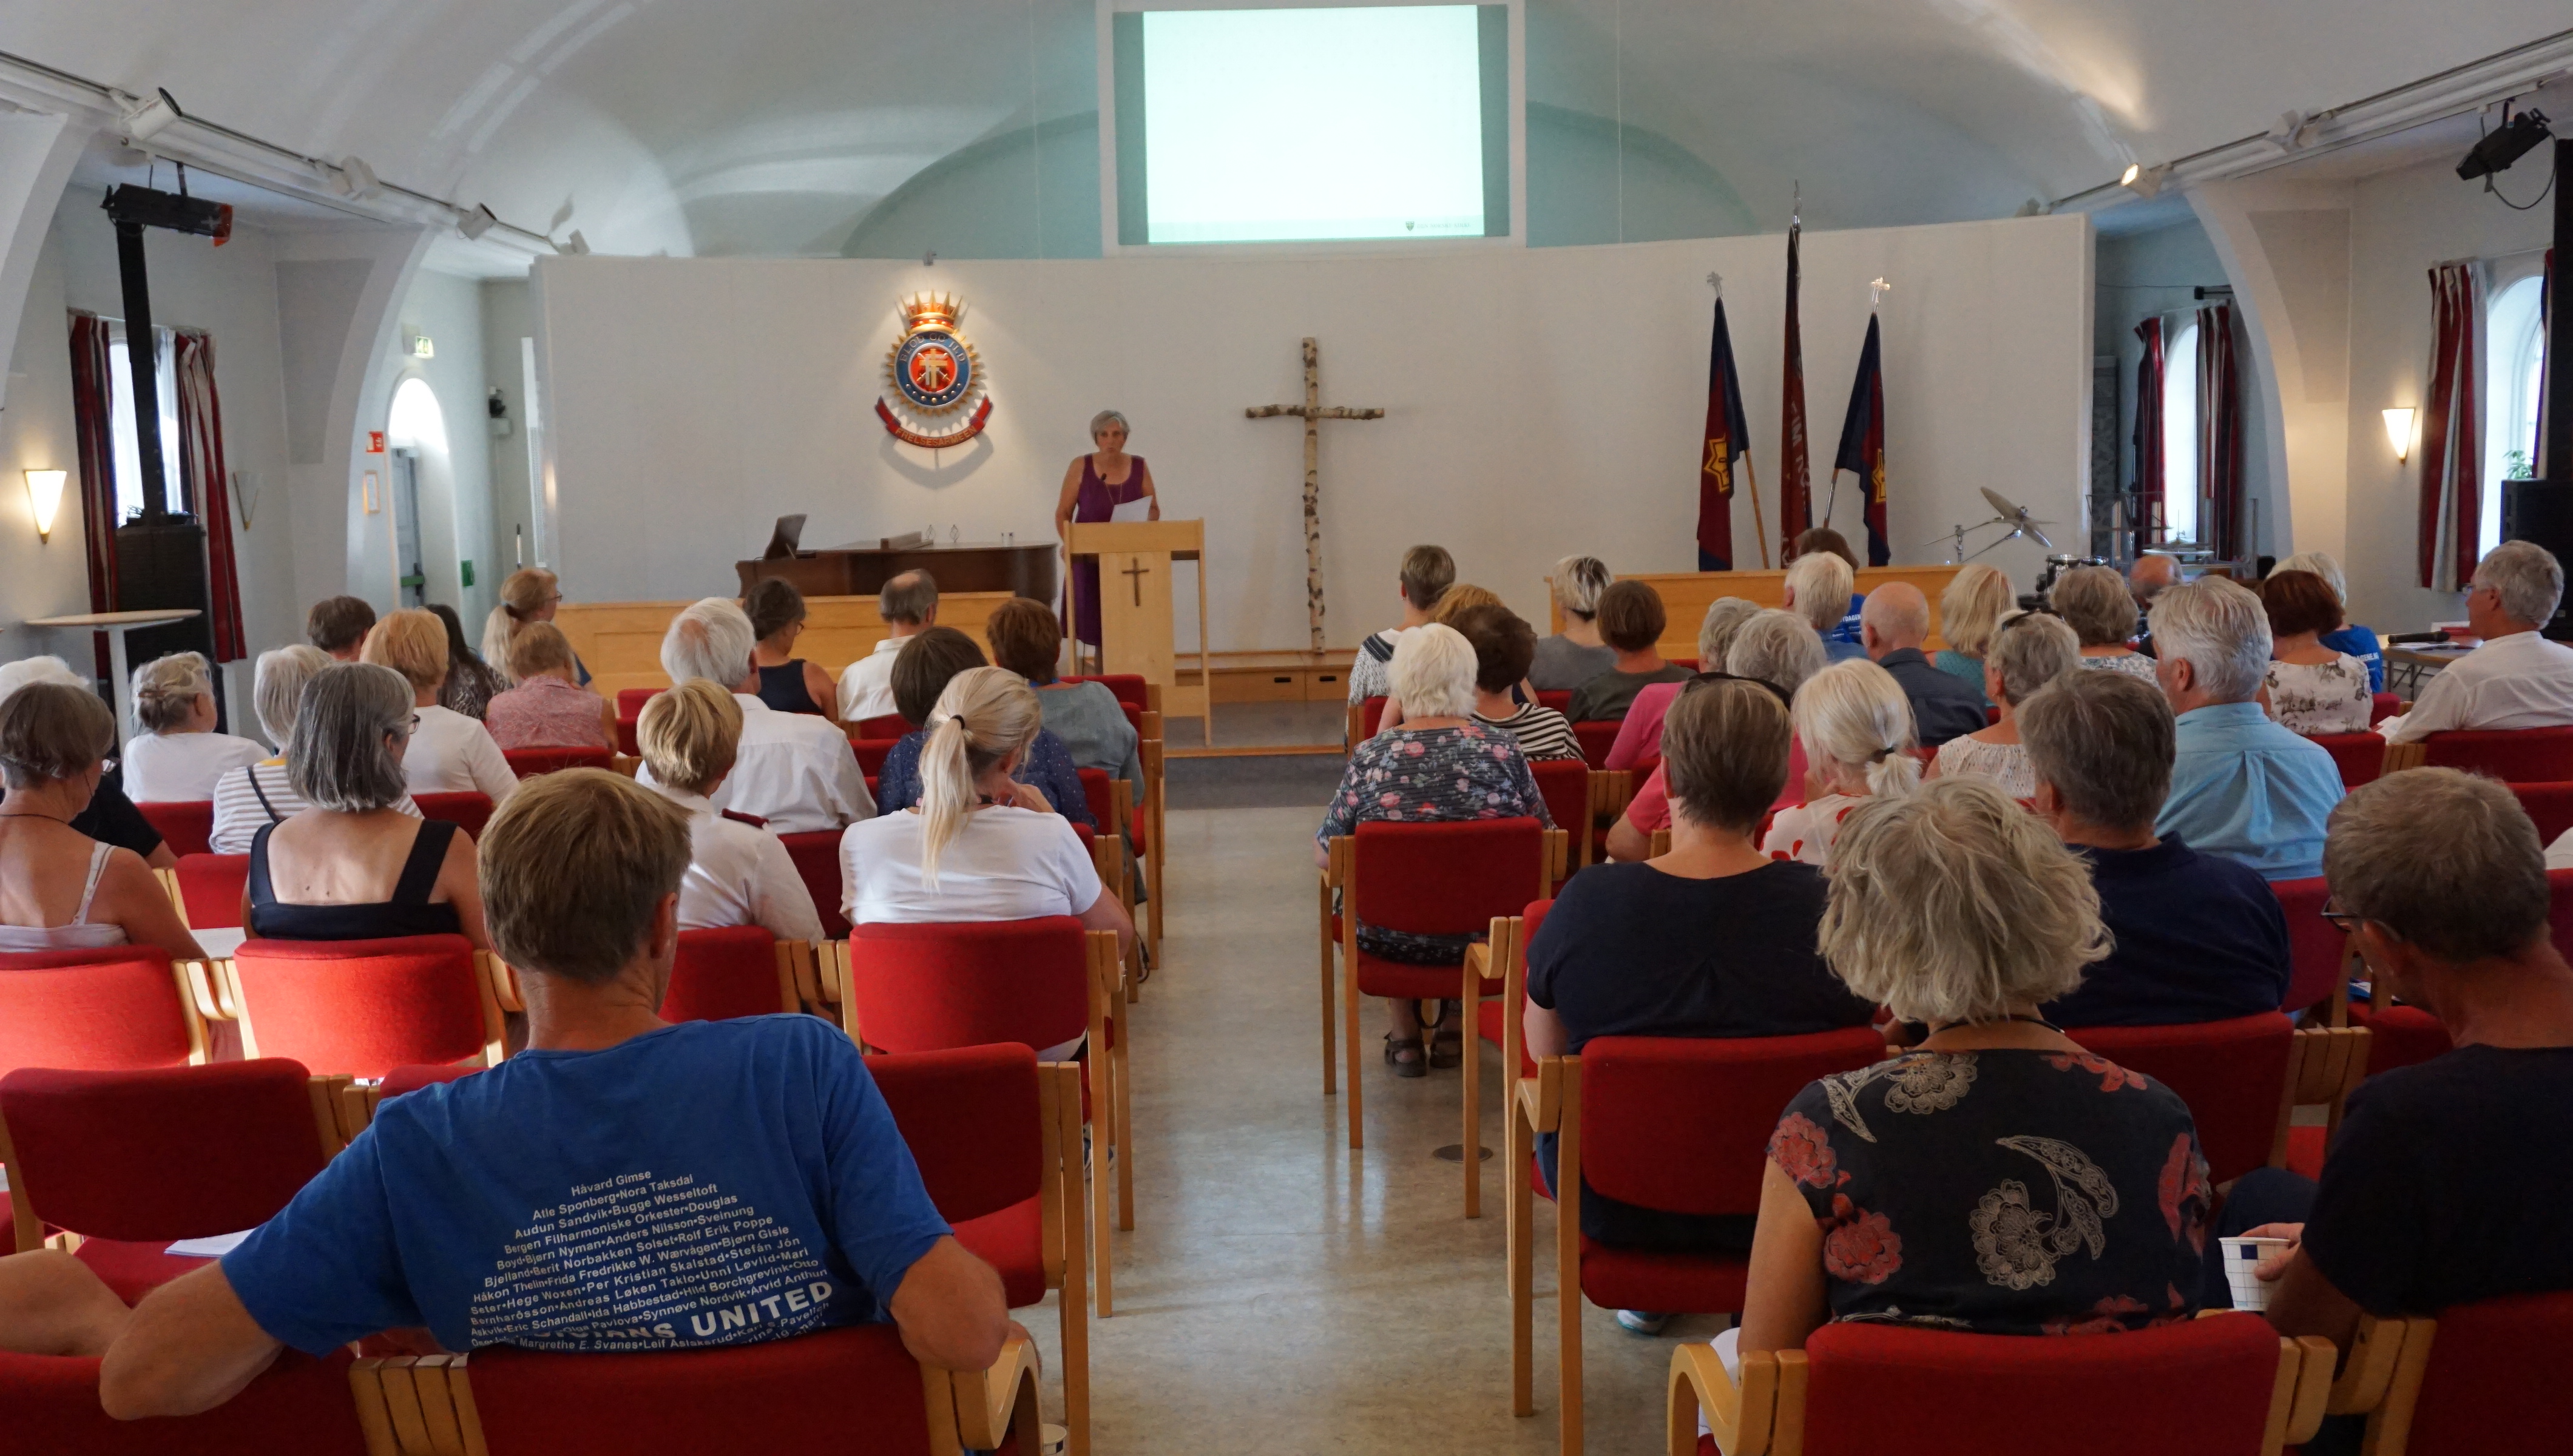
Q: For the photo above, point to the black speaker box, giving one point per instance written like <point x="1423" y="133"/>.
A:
<point x="2542" y="511"/>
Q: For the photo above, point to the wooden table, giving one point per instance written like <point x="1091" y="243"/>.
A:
<point x="1019" y="570"/>
<point x="2416" y="662"/>
<point x="116" y="625"/>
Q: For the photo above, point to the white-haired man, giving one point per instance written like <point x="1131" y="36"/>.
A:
<point x="2516" y="679"/>
<point x="793" y="770"/>
<point x="2243" y="787"/>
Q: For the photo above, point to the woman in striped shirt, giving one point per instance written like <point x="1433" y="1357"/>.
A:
<point x="1504" y="646"/>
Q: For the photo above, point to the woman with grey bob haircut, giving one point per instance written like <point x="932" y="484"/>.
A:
<point x="356" y="866"/>
<point x="261" y="793"/>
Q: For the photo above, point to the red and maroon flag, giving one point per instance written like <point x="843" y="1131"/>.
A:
<point x="1795" y="489"/>
<point x="1728" y="440"/>
<point x="1862" y="449"/>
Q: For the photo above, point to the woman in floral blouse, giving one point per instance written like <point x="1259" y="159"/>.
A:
<point x="2312" y="688"/>
<point x="1995" y="1179"/>
<point x="1440" y="765"/>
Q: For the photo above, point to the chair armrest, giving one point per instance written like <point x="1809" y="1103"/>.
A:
<point x="2375" y="1351"/>
<point x="2401" y="756"/>
<point x="1740" y="1415"/>
<point x="992" y="1404"/>
<point x="416" y="1405"/>
<point x="204" y="984"/>
<point x="2313" y="1386"/>
<point x="169" y="881"/>
<point x="1541" y="1096"/>
<point x="1336" y="874"/>
<point x="504" y="980"/>
<point x="625" y="763"/>
<point x="1558" y="858"/>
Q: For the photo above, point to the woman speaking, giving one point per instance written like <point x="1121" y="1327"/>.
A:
<point x="1094" y="486"/>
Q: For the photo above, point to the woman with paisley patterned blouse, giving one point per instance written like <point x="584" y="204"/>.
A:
<point x="1996" y="1178"/>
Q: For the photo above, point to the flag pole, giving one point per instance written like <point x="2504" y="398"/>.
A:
<point x="1752" y="476"/>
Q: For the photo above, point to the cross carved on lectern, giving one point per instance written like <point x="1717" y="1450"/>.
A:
<point x="1135" y="573"/>
<point x="1311" y="411"/>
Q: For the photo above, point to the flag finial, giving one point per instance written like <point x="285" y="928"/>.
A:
<point x="1715" y="280"/>
<point x="1877" y="288"/>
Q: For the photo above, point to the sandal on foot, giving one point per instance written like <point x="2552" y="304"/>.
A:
<point x="1446" y="1046"/>
<point x="1402" y="1053"/>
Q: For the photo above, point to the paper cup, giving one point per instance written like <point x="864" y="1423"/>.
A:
<point x="2242" y="1257"/>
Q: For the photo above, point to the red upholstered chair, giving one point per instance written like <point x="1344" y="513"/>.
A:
<point x="629" y="712"/>
<point x="2227" y="1385"/>
<point x="1670" y="1122"/>
<point x="300" y="1404"/>
<point x="871" y="755"/>
<point x="359" y="1101"/>
<point x="1565" y="783"/>
<point x="1597" y="738"/>
<point x="2381" y="706"/>
<point x="888" y="725"/>
<point x="1559" y="699"/>
<point x="363" y="1007"/>
<point x="528" y="763"/>
<point x="2399" y="1036"/>
<point x="996" y="1135"/>
<point x="1497" y="1019"/>
<point x="132" y="1160"/>
<point x="117" y="1008"/>
<point x="1363" y="720"/>
<point x="1039" y="983"/>
<point x="1426" y="879"/>
<point x="2515" y="756"/>
<point x="2480" y="1379"/>
<point x="181" y="825"/>
<point x="2316" y="950"/>
<point x="738" y="971"/>
<point x="2550" y="805"/>
<point x="816" y="854"/>
<point x="2232" y="1074"/>
<point x="2360" y="757"/>
<point x="1130" y="688"/>
<point x="211" y="889"/>
<point x="468" y="811"/>
<point x="850" y="1389"/>
<point x="1111" y="802"/>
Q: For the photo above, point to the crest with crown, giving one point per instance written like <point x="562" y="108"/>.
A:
<point x="935" y="374"/>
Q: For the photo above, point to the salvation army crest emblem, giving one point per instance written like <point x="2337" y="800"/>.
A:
<point x="936" y="377"/>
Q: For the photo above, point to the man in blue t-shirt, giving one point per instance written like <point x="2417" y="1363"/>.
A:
<point x="622" y="1184"/>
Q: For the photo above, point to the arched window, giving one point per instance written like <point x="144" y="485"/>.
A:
<point x="2179" y="436"/>
<point x="126" y="441"/>
<point x="2515" y="358"/>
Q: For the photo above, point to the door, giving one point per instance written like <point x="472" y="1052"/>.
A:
<point x="410" y="577"/>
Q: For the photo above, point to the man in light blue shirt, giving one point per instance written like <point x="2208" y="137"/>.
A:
<point x="2243" y="788"/>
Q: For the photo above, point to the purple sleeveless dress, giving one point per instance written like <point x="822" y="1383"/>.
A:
<point x="1096" y="500"/>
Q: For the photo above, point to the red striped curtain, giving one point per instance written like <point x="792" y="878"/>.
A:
<point x="2148" y="435"/>
<point x="2452" y="456"/>
<point x="201" y="466"/>
<point x="2220" y="435"/>
<point x="94" y="429"/>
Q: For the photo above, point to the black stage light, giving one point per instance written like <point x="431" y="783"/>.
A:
<point x="2499" y="149"/>
<point x="149" y="207"/>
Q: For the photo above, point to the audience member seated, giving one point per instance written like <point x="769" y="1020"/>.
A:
<point x="1824" y="539"/>
<point x="176" y="755"/>
<point x="2312" y="688"/>
<point x="471" y="683"/>
<point x="2243" y="788"/>
<point x="787" y="682"/>
<point x="773" y="1163"/>
<point x="2351" y="638"/>
<point x="1630" y="622"/>
<point x="1714" y="939"/>
<point x="2447" y="1183"/>
<point x="920" y="679"/>
<point x="1574" y="655"/>
<point x="1027" y="639"/>
<point x="251" y="798"/>
<point x="1817" y="583"/>
<point x="1970" y="610"/>
<point x="1444" y="765"/>
<point x="354" y="866"/>
<point x="531" y="595"/>
<point x="2147" y="577"/>
<point x="979" y="845"/>
<point x="1428" y="572"/>
<point x="547" y="709"/>
<point x="737" y="874"/>
<point x="339" y="626"/>
<point x="1997" y="1178"/>
<point x="909" y="605"/>
<point x="2192" y="938"/>
<point x="1503" y="644"/>
<point x="449" y="753"/>
<point x="59" y="888"/>
<point x="1453" y="604"/>
<point x="2517" y="678"/>
<point x="1856" y="728"/>
<point x="2030" y="650"/>
<point x="2093" y="600"/>
<point x="1640" y="735"/>
<point x="111" y="817"/>
<point x="793" y="770"/>
<point x="1892" y="627"/>
<point x="1775" y="647"/>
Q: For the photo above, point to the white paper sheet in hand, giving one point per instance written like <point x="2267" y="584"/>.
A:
<point x="208" y="1248"/>
<point x="1139" y="508"/>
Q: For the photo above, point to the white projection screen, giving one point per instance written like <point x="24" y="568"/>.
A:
<point x="1311" y="123"/>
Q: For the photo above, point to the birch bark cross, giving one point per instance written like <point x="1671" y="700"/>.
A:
<point x="1311" y="413"/>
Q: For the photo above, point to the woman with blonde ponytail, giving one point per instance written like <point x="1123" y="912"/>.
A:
<point x="1856" y="728"/>
<point x="529" y="596"/>
<point x="978" y="845"/>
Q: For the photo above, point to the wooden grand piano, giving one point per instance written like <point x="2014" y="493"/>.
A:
<point x="861" y="568"/>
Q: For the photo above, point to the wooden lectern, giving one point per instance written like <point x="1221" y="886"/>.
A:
<point x="1134" y="623"/>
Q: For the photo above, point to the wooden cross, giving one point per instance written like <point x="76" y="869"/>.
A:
<point x="1135" y="573"/>
<point x="1311" y="412"/>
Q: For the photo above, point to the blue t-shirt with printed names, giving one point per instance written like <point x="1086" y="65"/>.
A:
<point x="708" y="1183"/>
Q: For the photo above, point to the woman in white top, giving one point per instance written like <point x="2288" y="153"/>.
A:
<point x="1856" y="726"/>
<point x="251" y="797"/>
<point x="739" y="873"/>
<point x="979" y="845"/>
<point x="450" y="753"/>
<point x="176" y="755"/>
<point x="60" y="889"/>
<point x="2028" y="651"/>
<point x="2093" y="603"/>
<point x="2312" y="688"/>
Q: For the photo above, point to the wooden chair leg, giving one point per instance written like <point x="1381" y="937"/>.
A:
<point x="1124" y="1078"/>
<point x="1100" y="1222"/>
<point x="1472" y="1143"/>
<point x="1518" y="1151"/>
<point x="1567" y="1262"/>
<point x="1350" y="1000"/>
<point x="1330" y="1065"/>
<point x="1071" y="1302"/>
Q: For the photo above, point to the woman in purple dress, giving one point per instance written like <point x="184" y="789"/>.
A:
<point x="1094" y="486"/>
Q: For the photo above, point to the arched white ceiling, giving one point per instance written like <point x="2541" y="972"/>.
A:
<point x="722" y="127"/>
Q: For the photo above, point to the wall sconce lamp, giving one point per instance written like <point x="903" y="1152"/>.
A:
<point x="2398" y="434"/>
<point x="45" y="499"/>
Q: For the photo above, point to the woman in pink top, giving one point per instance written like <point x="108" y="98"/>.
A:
<point x="547" y="709"/>
<point x="1777" y="648"/>
<point x="1641" y="736"/>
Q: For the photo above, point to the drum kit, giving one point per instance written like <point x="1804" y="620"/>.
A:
<point x="2017" y="522"/>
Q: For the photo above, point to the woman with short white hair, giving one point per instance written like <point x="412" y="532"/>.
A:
<point x="1997" y="1178"/>
<point x="2030" y="650"/>
<point x="1439" y="765"/>
<point x="1856" y="728"/>
<point x="1575" y="655"/>
<point x="1818" y="591"/>
<point x="176" y="756"/>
